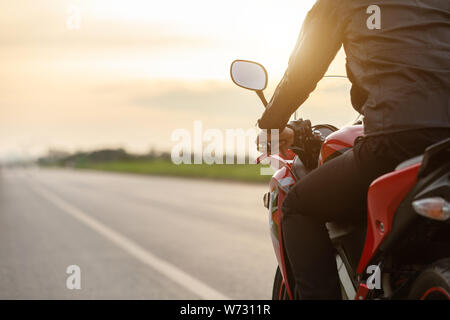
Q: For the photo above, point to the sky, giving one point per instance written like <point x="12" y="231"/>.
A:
<point x="88" y="74"/>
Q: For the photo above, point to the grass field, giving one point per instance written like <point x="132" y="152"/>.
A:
<point x="236" y="172"/>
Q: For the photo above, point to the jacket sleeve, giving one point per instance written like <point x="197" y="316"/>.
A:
<point x="318" y="43"/>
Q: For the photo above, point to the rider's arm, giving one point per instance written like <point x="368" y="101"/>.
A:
<point x="317" y="45"/>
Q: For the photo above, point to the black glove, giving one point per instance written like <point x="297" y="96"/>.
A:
<point x="302" y="131"/>
<point x="306" y="145"/>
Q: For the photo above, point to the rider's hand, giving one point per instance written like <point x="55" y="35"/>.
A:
<point x="286" y="139"/>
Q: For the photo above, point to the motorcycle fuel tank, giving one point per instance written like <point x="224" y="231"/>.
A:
<point x="338" y="142"/>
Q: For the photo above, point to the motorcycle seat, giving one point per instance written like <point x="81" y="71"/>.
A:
<point x="435" y="153"/>
<point x="409" y="162"/>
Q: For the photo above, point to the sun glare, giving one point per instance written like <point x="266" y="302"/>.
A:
<point x="260" y="30"/>
<point x="119" y="42"/>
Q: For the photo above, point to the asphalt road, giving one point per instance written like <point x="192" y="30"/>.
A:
<point x="133" y="237"/>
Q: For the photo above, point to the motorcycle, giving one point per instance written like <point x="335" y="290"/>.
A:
<point x="402" y="249"/>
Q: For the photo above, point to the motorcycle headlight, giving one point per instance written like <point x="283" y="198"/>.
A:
<point x="435" y="208"/>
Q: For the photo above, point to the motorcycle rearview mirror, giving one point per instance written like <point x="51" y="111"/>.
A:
<point x="250" y="75"/>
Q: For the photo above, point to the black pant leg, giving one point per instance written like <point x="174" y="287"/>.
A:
<point x="335" y="191"/>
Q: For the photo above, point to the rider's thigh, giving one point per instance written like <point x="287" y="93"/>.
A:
<point x="335" y="191"/>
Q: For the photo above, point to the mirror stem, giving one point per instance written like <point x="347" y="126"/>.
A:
<point x="262" y="97"/>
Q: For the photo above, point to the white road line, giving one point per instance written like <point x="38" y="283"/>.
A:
<point x="167" y="269"/>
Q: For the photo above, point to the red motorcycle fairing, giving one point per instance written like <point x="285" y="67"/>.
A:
<point x="339" y="141"/>
<point x="384" y="196"/>
<point x="280" y="183"/>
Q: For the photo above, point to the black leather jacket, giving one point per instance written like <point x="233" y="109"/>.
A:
<point x="400" y="73"/>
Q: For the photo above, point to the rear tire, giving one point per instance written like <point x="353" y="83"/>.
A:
<point x="433" y="283"/>
<point x="279" y="291"/>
